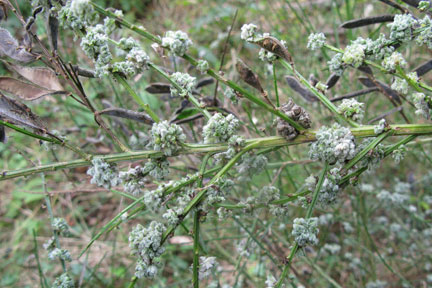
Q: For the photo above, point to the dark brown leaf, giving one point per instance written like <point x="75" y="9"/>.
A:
<point x="9" y="47"/>
<point x="332" y="80"/>
<point x="367" y="21"/>
<point x="355" y="94"/>
<point x="158" y="88"/>
<point x="424" y="68"/>
<point x="248" y="76"/>
<point x="275" y="46"/>
<point x="390" y="92"/>
<point x="365" y="69"/>
<point x="52" y="25"/>
<point x="41" y="76"/>
<point x="204" y="82"/>
<point x="128" y="114"/>
<point x="19" y="114"/>
<point x="24" y="90"/>
<point x="300" y="89"/>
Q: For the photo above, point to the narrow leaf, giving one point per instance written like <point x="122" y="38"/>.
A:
<point x="158" y="88"/>
<point x="300" y="89"/>
<point x="367" y="21"/>
<point x="275" y="46"/>
<point x="52" y="25"/>
<point x="128" y="114"/>
<point x="41" y="76"/>
<point x="248" y="76"/>
<point x="355" y="94"/>
<point x="24" y="90"/>
<point x="9" y="47"/>
<point x="204" y="82"/>
<point x="332" y="80"/>
<point x="390" y="92"/>
<point x="19" y="114"/>
<point x="424" y="68"/>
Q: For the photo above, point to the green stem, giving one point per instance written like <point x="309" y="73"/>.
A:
<point x="51" y="215"/>
<point x="265" y="142"/>
<point x="135" y="96"/>
<point x="190" y="97"/>
<point x="211" y="72"/>
<point x="196" y="228"/>
<point x="275" y="85"/>
<point x="318" y="94"/>
<point x="308" y="215"/>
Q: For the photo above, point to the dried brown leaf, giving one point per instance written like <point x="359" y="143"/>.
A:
<point x="275" y="46"/>
<point x="367" y="21"/>
<point x="24" y="90"/>
<point x="248" y="76"/>
<point x="158" y="88"/>
<point x="390" y="92"/>
<point x="41" y="76"/>
<point x="300" y="89"/>
<point x="128" y="114"/>
<point x="19" y="114"/>
<point x="9" y="47"/>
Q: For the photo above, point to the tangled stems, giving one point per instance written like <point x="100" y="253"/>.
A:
<point x="211" y="72"/>
<point x="265" y="142"/>
<point x="398" y="73"/>
<point x="135" y="96"/>
<point x="318" y="94"/>
<point x="190" y="97"/>
<point x="308" y="215"/>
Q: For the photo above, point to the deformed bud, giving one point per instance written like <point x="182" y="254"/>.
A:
<point x="296" y="113"/>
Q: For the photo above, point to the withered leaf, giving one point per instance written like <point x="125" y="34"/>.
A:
<point x="424" y="68"/>
<point x="248" y="76"/>
<point x="365" y="69"/>
<point x="41" y="76"/>
<point x="19" y="114"/>
<point x="332" y="80"/>
<point x="128" y="114"/>
<point x="158" y="88"/>
<point x="367" y="21"/>
<point x="9" y="47"/>
<point x="3" y="137"/>
<point x="355" y="94"/>
<point x="300" y="89"/>
<point x="24" y="90"/>
<point x="204" y="82"/>
<point x="52" y="25"/>
<point x="275" y="46"/>
<point x="390" y="92"/>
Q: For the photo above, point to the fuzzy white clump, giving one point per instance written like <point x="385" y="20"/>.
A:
<point x="336" y="65"/>
<point x="329" y="191"/>
<point x="401" y="27"/>
<point x="399" y="154"/>
<point x="62" y="254"/>
<point x="220" y="128"/>
<point x="77" y="14"/>
<point x="395" y="59"/>
<point x="354" y="55"/>
<point x="316" y="41"/>
<point x="419" y="100"/>
<point x="425" y="34"/>
<point x="63" y="281"/>
<point x="206" y="266"/>
<point x="249" y="32"/>
<point x="333" y="145"/>
<point x="400" y="85"/>
<point x="351" y="108"/>
<point x="305" y="231"/>
<point x="177" y="41"/>
<point x="186" y="83"/>
<point x="95" y="46"/>
<point x="230" y="94"/>
<point x="378" y="129"/>
<point x="103" y="174"/>
<point x="267" y="56"/>
<point x="376" y="284"/>
<point x="60" y="225"/>
<point x="145" y="243"/>
<point x="166" y="137"/>
<point x="203" y="66"/>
